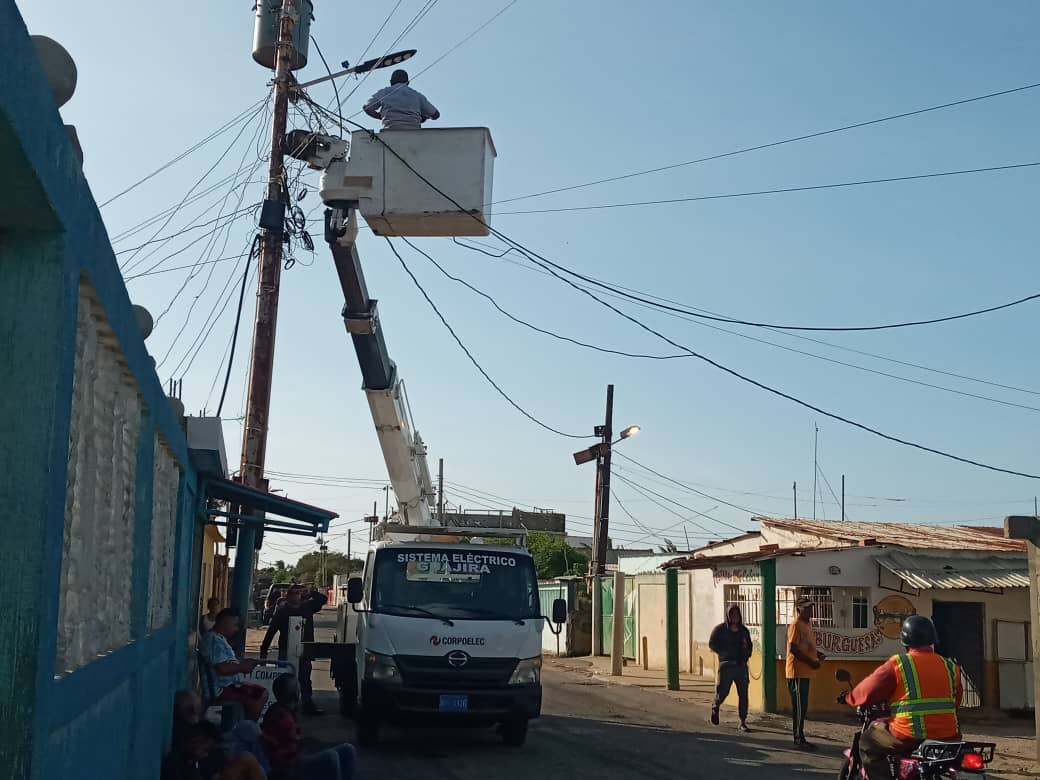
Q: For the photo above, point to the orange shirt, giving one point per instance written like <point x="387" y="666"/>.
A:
<point x="800" y="634"/>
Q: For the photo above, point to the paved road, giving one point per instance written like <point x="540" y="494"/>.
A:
<point x="589" y="728"/>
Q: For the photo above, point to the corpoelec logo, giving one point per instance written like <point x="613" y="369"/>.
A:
<point x="457" y="641"/>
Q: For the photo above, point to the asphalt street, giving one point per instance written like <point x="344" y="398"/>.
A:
<point x="589" y="728"/>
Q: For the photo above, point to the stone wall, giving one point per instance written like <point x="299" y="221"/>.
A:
<point x="98" y="540"/>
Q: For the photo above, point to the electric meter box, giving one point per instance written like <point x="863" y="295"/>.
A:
<point x="396" y="201"/>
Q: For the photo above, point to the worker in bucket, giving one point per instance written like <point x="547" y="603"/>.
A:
<point x="399" y="106"/>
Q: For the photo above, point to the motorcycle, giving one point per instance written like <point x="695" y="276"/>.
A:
<point x="932" y="760"/>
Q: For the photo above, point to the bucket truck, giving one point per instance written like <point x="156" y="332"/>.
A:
<point x="444" y="629"/>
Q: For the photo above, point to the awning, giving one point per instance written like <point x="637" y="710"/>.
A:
<point x="957" y="571"/>
<point x="273" y="513"/>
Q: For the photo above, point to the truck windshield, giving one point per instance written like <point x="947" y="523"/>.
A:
<point x="461" y="585"/>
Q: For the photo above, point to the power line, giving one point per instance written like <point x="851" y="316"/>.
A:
<point x="219" y="131"/>
<point x="623" y="353"/>
<point x="775" y="191"/>
<point x="188" y="194"/>
<point x="734" y="321"/>
<point x="772" y="144"/>
<point x="533" y="327"/>
<point x="690" y="318"/>
<point x="545" y="263"/>
<point x="254" y="252"/>
<point x="183" y="267"/>
<point x="472" y="359"/>
<point x="641" y="488"/>
<point x="469" y="37"/>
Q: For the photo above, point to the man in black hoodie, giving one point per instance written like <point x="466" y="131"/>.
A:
<point x="731" y="642"/>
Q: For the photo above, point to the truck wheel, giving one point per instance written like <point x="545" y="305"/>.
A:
<point x="514" y="732"/>
<point x="367" y="730"/>
<point x="347" y="701"/>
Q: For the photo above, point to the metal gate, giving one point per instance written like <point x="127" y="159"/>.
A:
<point x="607" y="617"/>
<point x="1015" y="667"/>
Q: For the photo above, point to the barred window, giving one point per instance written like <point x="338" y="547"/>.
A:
<point x="822" y="599"/>
<point x="748" y="598"/>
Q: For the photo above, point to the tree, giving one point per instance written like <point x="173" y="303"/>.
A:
<point x="308" y="568"/>
<point x="553" y="557"/>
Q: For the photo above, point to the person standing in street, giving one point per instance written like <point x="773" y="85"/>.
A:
<point x="296" y="605"/>
<point x="803" y="659"/>
<point x="731" y="642"/>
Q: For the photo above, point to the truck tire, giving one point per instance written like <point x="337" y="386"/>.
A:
<point x="514" y="732"/>
<point x="347" y="701"/>
<point x="367" y="730"/>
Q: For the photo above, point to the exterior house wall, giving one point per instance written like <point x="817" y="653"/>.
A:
<point x="81" y="411"/>
<point x="650" y="615"/>
<point x="860" y="650"/>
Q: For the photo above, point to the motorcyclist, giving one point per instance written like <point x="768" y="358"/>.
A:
<point x="923" y="690"/>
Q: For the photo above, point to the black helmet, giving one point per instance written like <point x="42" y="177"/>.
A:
<point x="917" y="631"/>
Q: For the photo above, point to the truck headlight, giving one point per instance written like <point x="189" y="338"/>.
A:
<point x="528" y="672"/>
<point x="382" y="668"/>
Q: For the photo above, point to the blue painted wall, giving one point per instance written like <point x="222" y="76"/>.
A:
<point x="111" y="718"/>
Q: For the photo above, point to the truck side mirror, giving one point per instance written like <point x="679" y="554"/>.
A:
<point x="559" y="612"/>
<point x="355" y="590"/>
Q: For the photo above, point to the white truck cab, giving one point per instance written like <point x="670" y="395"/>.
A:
<point x="447" y="633"/>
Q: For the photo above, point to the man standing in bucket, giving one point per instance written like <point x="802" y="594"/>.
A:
<point x="731" y="642"/>
<point x="803" y="659"/>
<point x="399" y="106"/>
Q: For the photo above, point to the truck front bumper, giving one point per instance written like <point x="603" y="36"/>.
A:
<point x="410" y="705"/>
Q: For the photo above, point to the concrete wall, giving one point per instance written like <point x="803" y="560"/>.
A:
<point x="96" y="625"/>
<point x="650" y="620"/>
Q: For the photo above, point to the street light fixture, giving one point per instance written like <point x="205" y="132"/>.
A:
<point x="386" y="61"/>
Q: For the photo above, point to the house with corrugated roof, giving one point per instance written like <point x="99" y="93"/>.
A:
<point x="864" y="578"/>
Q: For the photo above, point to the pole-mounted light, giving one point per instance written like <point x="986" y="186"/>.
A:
<point x="385" y="61"/>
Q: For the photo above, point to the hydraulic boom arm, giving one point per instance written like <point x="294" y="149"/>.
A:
<point x="403" y="448"/>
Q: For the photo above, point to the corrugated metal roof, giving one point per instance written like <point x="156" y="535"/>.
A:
<point x="912" y="535"/>
<point x="955" y="572"/>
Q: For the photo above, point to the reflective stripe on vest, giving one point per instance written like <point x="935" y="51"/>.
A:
<point x="912" y="709"/>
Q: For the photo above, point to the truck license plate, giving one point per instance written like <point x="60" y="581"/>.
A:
<point x="454" y="703"/>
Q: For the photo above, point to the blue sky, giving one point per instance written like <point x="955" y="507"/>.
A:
<point x="587" y="91"/>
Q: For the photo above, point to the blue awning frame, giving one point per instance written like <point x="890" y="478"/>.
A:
<point x="291" y="517"/>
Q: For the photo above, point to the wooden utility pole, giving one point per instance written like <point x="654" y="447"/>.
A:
<point x="602" y="516"/>
<point x="261" y="367"/>
<point x="795" y="487"/>
<point x="1028" y="528"/>
<point x="440" y="491"/>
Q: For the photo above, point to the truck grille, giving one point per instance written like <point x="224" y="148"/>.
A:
<point x="422" y="671"/>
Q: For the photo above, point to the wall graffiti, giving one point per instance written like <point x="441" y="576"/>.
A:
<point x="739" y="575"/>
<point x="889" y="614"/>
<point x="860" y="644"/>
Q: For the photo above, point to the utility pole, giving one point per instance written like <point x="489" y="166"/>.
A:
<point x="843" y="498"/>
<point x="816" y="467"/>
<point x="261" y="367"/>
<point x="795" y="486"/>
<point x="602" y="517"/>
<point x="349" y="532"/>
<point x="440" y="491"/>
<point x="386" y="496"/>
